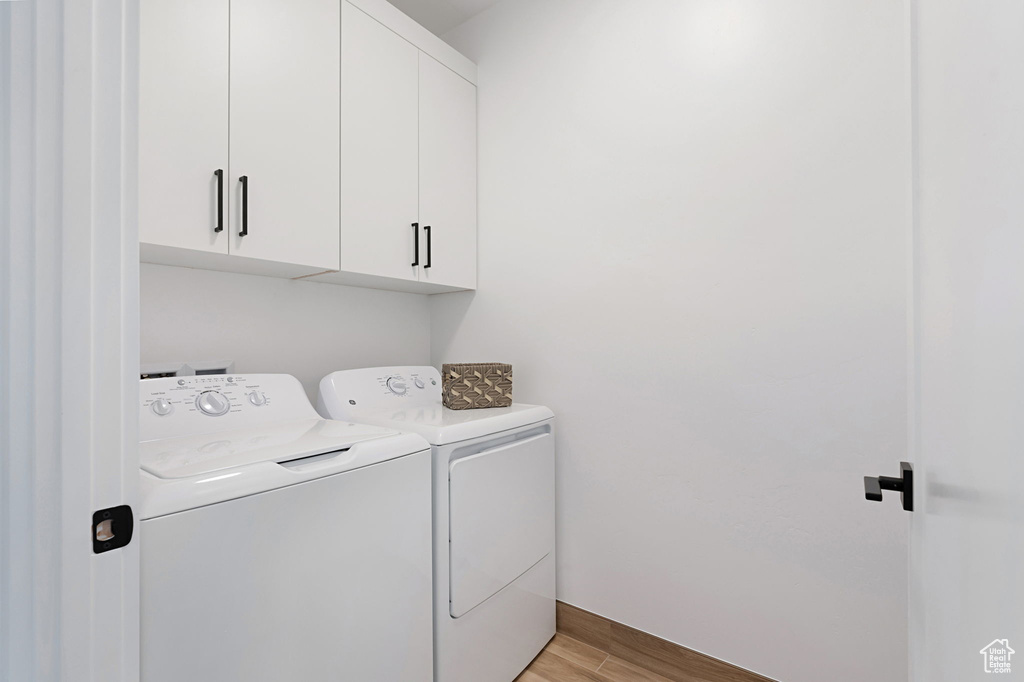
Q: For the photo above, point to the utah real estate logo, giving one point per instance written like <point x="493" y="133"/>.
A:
<point x="997" y="656"/>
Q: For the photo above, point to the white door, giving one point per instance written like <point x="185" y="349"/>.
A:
<point x="967" y="533"/>
<point x="69" y="334"/>
<point x="284" y="130"/>
<point x="183" y="124"/>
<point x="447" y="176"/>
<point x="379" y="131"/>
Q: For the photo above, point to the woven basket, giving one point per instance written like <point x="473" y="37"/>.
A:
<point x="474" y="385"/>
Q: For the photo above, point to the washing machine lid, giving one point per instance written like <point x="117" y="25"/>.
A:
<point x="181" y="474"/>
<point x="198" y="455"/>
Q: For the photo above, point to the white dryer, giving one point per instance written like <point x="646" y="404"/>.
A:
<point x="277" y="545"/>
<point x="494" y="516"/>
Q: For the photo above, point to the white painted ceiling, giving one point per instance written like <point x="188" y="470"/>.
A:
<point x="441" y="16"/>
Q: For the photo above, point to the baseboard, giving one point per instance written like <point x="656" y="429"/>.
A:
<point x="647" y="651"/>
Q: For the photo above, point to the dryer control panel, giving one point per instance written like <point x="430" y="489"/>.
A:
<point x="382" y="387"/>
<point x="192" y="405"/>
<point x="408" y="382"/>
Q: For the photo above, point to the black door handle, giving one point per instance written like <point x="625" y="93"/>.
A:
<point x="427" y="229"/>
<point x="904" y="485"/>
<point x="416" y="243"/>
<point x="245" y="206"/>
<point x="220" y="199"/>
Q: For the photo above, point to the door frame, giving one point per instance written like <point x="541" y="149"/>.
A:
<point x="69" y="356"/>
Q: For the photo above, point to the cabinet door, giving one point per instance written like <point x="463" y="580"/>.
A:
<point x="285" y="130"/>
<point x="379" y="129"/>
<point x="183" y="122"/>
<point x="447" y="175"/>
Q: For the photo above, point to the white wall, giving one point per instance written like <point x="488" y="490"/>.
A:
<point x="307" y="329"/>
<point x="693" y="247"/>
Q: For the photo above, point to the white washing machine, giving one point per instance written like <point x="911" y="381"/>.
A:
<point x="277" y="545"/>
<point x="494" y="516"/>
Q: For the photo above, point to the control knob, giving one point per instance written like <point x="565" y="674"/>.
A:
<point x="213" y="403"/>
<point x="162" y="407"/>
<point x="397" y="385"/>
<point x="257" y="398"/>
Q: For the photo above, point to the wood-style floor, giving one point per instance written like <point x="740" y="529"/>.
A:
<point x="568" y="660"/>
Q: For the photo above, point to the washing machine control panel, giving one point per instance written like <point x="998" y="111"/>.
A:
<point x="200" y="404"/>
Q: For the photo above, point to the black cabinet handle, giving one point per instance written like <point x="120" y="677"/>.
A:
<point x="904" y="485"/>
<point x="245" y="206"/>
<point x="427" y="229"/>
<point x="220" y="200"/>
<point x="416" y="243"/>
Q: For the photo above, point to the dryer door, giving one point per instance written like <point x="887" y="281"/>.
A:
<point x="501" y="516"/>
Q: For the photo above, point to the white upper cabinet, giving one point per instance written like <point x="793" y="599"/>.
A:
<point x="408" y="156"/>
<point x="327" y="138"/>
<point x="183" y="123"/>
<point x="284" y="125"/>
<point x="447" y="186"/>
<point x="379" y="136"/>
